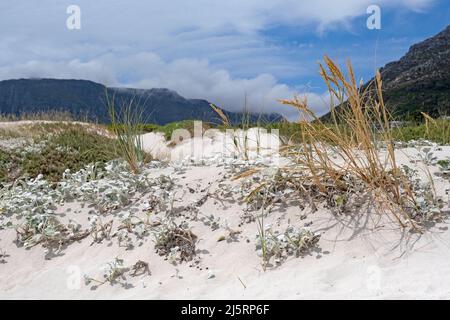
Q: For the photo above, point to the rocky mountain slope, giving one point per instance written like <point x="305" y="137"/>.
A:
<point x="420" y="80"/>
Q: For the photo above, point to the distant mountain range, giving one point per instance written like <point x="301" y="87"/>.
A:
<point x="420" y="80"/>
<point x="88" y="100"/>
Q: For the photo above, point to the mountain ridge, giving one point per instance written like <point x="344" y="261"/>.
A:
<point x="86" y="99"/>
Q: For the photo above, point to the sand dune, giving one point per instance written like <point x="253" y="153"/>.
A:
<point x="358" y="256"/>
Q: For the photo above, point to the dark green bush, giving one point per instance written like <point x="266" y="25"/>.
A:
<point x="72" y="148"/>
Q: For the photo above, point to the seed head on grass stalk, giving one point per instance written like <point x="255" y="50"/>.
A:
<point x="358" y="127"/>
<point x="237" y="143"/>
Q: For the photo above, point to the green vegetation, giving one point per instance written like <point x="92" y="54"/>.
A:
<point x="51" y="148"/>
<point x="412" y="100"/>
<point x="55" y="148"/>
<point x="72" y="149"/>
<point x="434" y="130"/>
<point x="7" y="161"/>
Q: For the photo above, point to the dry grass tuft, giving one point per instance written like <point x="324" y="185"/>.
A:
<point x="352" y="144"/>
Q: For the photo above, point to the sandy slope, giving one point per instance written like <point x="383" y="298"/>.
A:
<point x="360" y="257"/>
<point x="214" y="144"/>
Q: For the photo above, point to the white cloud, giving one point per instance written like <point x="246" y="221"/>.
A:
<point x="189" y="77"/>
<point x="201" y="48"/>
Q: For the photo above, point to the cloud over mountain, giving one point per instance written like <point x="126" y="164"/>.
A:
<point x="215" y="50"/>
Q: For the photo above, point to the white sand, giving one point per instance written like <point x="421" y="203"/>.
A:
<point x="362" y="256"/>
<point x="214" y="145"/>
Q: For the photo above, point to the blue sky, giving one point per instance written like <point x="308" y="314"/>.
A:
<point x="222" y="51"/>
<point x="367" y="49"/>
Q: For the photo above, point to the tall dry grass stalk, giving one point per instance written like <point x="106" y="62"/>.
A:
<point x="351" y="144"/>
<point x="240" y="141"/>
